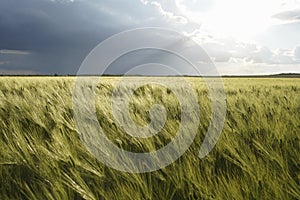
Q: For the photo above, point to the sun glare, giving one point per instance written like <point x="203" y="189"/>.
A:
<point x="240" y="19"/>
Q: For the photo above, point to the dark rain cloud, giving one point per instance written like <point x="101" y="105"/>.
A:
<point x="59" y="34"/>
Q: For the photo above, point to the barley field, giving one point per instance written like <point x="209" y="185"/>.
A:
<point x="256" y="156"/>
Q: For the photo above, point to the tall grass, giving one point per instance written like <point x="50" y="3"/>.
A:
<point x="256" y="157"/>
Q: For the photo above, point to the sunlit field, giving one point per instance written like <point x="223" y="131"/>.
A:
<point x="256" y="157"/>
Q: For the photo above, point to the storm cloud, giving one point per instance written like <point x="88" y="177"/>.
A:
<point x="57" y="35"/>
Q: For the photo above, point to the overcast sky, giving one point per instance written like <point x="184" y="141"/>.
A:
<point x="240" y="36"/>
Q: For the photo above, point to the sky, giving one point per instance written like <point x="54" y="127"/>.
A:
<point x="242" y="37"/>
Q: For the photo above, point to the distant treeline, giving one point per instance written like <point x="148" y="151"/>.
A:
<point x="282" y="75"/>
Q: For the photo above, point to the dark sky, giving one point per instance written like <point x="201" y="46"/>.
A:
<point x="54" y="36"/>
<point x="50" y="37"/>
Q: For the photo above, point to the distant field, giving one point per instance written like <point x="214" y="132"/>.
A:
<point x="256" y="157"/>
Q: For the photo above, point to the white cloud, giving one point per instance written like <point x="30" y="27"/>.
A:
<point x="15" y="52"/>
<point x="288" y="16"/>
<point x="167" y="14"/>
<point x="261" y="55"/>
<point x="283" y="56"/>
<point x="255" y="69"/>
<point x="217" y="51"/>
<point x="232" y="51"/>
<point x="297" y="53"/>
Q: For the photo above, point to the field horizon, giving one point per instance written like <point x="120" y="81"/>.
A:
<point x="273" y="75"/>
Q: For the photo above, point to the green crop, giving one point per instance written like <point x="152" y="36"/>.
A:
<point x="256" y="157"/>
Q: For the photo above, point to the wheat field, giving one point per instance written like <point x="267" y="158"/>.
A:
<point x="256" y="156"/>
